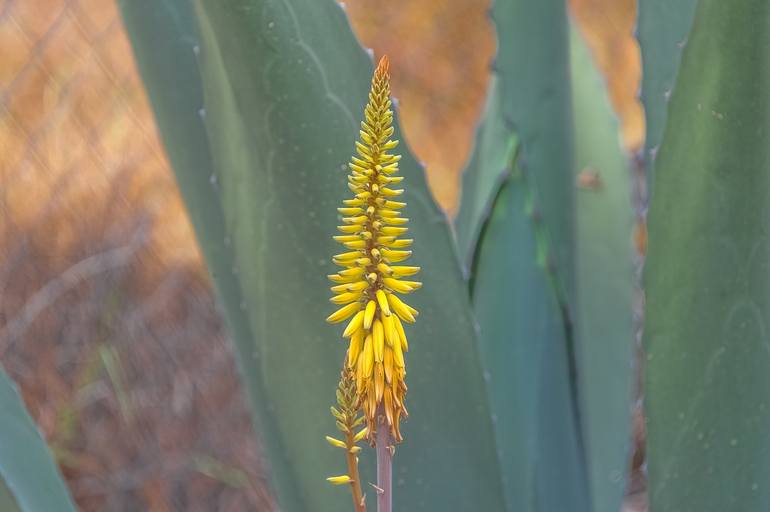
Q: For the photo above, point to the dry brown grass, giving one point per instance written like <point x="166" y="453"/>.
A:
<point x="107" y="320"/>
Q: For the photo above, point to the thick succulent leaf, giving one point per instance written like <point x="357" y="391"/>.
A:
<point x="708" y="272"/>
<point x="533" y="67"/>
<point x="603" y="323"/>
<point x="487" y="169"/>
<point x="521" y="274"/>
<point x="523" y="347"/>
<point x="29" y="478"/>
<point x="663" y="28"/>
<point x="285" y="83"/>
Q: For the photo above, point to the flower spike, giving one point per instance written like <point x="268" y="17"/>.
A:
<point x="370" y="278"/>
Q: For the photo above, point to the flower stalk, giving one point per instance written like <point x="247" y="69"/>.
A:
<point x="385" y="451"/>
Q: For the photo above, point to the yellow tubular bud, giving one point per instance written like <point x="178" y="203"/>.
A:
<point x="352" y="255"/>
<point x="361" y="435"/>
<point x="398" y="355"/>
<point x="396" y="221"/>
<point x="336" y="278"/>
<point x="378" y="338"/>
<point x="346" y="238"/>
<point x="393" y="230"/>
<point x="396" y="285"/>
<point x="358" y="244"/>
<point x="336" y="442"/>
<point x="350" y="211"/>
<point x="391" y="334"/>
<point x="343" y="313"/>
<point x="354" y="325"/>
<point x="360" y="219"/>
<point x="356" y="168"/>
<point x="400" y="309"/>
<point x="405" y="271"/>
<point x="387" y="364"/>
<point x="382" y="300"/>
<point x="371" y="307"/>
<point x="387" y="192"/>
<point x="363" y="150"/>
<point x="379" y="380"/>
<point x="344" y="298"/>
<point x="341" y="288"/>
<point x="356" y="344"/>
<point x="395" y="256"/>
<point x="348" y="229"/>
<point x="400" y="244"/>
<point x="339" y="480"/>
<point x="360" y="372"/>
<point x="401" y="334"/>
<point x="385" y="240"/>
<point x="368" y="355"/>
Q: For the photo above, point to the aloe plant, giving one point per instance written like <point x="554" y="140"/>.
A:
<point x="256" y="102"/>
<point x="520" y="368"/>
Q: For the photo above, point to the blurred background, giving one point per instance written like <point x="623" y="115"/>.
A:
<point x="107" y="319"/>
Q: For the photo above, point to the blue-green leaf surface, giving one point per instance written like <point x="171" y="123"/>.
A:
<point x="521" y="268"/>
<point x="603" y="323"/>
<point x="707" y="277"/>
<point x="489" y="166"/>
<point x="31" y="481"/>
<point x="663" y="29"/>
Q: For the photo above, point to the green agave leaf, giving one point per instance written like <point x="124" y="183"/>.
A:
<point x="522" y="264"/>
<point x="284" y="84"/>
<point x="487" y="169"/>
<point x="708" y="272"/>
<point x="523" y="348"/>
<point x="603" y="323"/>
<point x="29" y="478"/>
<point x="663" y="28"/>
<point x="533" y="67"/>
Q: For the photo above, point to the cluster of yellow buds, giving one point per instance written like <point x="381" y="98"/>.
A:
<point x="347" y="420"/>
<point x="367" y="285"/>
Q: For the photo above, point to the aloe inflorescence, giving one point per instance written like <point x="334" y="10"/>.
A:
<point x="367" y="285"/>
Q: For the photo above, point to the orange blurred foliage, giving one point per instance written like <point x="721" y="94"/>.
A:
<point x="441" y="52"/>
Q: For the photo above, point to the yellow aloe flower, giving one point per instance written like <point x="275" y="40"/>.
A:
<point x="366" y="286"/>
